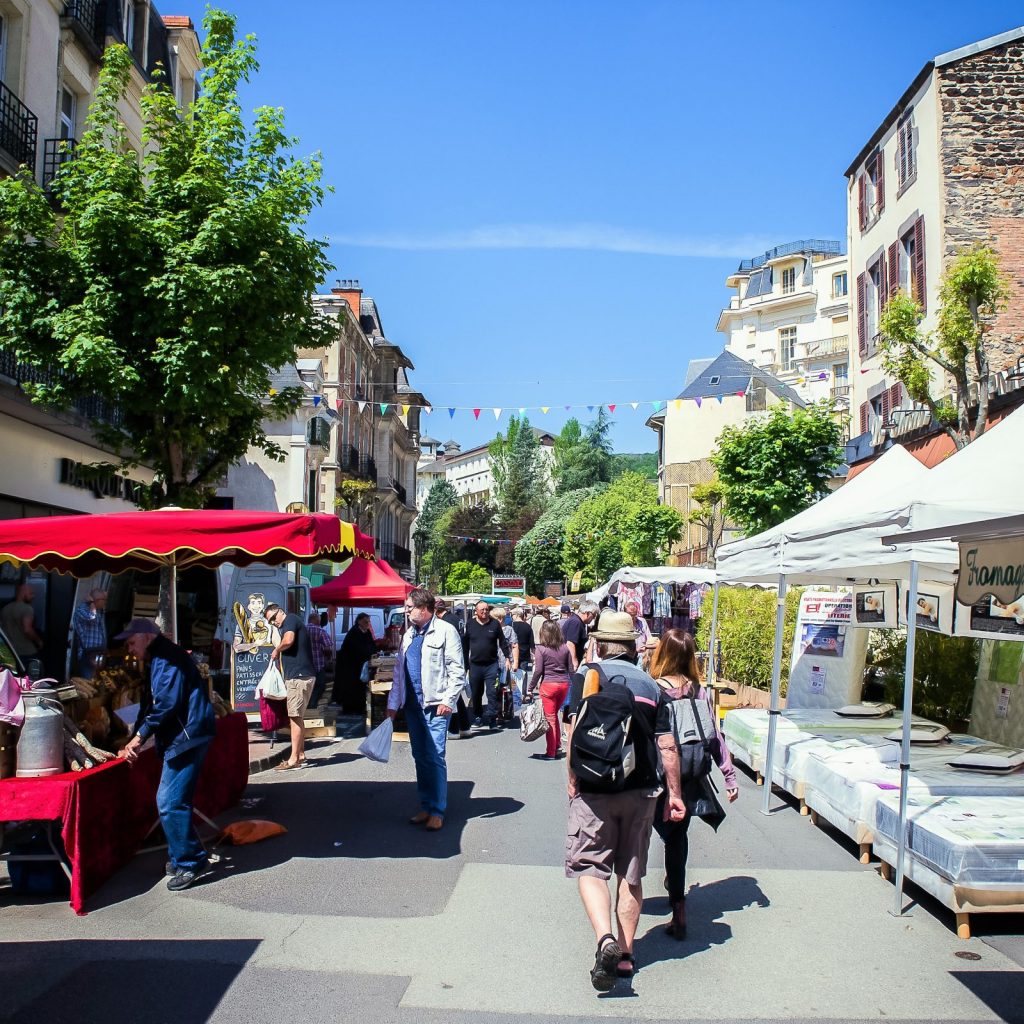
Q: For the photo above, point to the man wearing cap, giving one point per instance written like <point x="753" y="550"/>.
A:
<point x="176" y="711"/>
<point x="610" y="832"/>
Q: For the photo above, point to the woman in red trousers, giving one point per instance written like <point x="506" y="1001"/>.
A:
<point x="552" y="667"/>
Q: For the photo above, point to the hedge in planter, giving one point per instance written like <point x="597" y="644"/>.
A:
<point x="746" y="631"/>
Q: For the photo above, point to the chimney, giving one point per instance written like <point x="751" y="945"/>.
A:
<point x="351" y="291"/>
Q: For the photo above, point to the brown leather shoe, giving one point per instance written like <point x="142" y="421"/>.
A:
<point x="419" y="819"/>
<point x="434" y="822"/>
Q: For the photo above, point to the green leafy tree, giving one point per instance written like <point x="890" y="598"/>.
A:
<point x="628" y="511"/>
<point x="441" y="497"/>
<point x="520" y="477"/>
<point x="644" y="463"/>
<point x="774" y="467"/>
<point x="467" y="578"/>
<point x="583" y="457"/>
<point x="607" y="557"/>
<point x="171" y="285"/>
<point x="972" y="295"/>
<point x="356" y="501"/>
<point x="465" y="535"/>
<point x="538" y="555"/>
<point x="709" y="512"/>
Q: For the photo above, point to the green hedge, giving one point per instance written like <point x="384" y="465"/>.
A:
<point x="746" y="630"/>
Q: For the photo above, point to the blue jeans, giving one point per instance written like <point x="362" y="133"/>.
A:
<point x="174" y="799"/>
<point x="428" y="737"/>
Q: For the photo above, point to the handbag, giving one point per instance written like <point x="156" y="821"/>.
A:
<point x="377" y="746"/>
<point x="273" y="714"/>
<point x="702" y="802"/>
<point x="532" y="723"/>
<point x="271" y="683"/>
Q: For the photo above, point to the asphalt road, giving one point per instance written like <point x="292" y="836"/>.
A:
<point x="355" y="915"/>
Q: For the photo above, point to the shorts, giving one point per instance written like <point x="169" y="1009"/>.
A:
<point x="298" y="692"/>
<point x="610" y="832"/>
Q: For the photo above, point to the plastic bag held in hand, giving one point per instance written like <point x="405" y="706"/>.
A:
<point x="377" y="746"/>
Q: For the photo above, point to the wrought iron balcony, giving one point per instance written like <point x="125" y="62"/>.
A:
<point x="395" y="555"/>
<point x="19" y="129"/>
<point x="399" y="490"/>
<point x="348" y="458"/>
<point x="87" y="18"/>
<point x="91" y="407"/>
<point x="56" y="153"/>
<point x="804" y="245"/>
<point x="318" y="433"/>
<point x="368" y="468"/>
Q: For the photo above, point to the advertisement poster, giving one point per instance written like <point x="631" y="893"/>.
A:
<point x="822" y="641"/>
<point x="823" y="621"/>
<point x="990" y="617"/>
<point x="828" y="654"/>
<point x="876" y="606"/>
<point x="934" y="608"/>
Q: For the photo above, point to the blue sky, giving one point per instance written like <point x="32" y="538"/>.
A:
<point x="545" y="197"/>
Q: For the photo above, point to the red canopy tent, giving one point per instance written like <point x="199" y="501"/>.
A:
<point x="363" y="584"/>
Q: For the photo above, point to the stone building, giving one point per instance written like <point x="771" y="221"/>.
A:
<point x="943" y="170"/>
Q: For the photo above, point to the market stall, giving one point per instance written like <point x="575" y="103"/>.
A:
<point x="84" y="545"/>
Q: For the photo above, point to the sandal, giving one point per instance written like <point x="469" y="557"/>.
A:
<point x="287" y="766"/>
<point x="606" y="961"/>
<point x="627" y="966"/>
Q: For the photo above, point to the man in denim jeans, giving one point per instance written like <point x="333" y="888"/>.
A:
<point x="428" y="679"/>
<point x="177" y="713"/>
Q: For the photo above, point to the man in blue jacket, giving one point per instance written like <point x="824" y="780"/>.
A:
<point x="177" y="713"/>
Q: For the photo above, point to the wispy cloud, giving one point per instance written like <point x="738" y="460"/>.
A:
<point x="593" y="237"/>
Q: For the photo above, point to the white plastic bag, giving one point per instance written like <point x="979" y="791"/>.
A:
<point x="271" y="683"/>
<point x="377" y="746"/>
<point x="532" y="723"/>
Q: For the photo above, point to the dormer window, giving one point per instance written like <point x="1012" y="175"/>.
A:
<point x="789" y="280"/>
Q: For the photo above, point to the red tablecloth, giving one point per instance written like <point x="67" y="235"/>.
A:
<point x="106" y="811"/>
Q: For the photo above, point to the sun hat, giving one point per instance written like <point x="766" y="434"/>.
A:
<point x="145" y="626"/>
<point x="615" y="626"/>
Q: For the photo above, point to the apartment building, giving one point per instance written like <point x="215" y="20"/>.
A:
<point x="942" y="171"/>
<point x="790" y="316"/>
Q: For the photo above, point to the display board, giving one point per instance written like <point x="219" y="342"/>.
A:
<point x="827" y="663"/>
<point x="876" y="606"/>
<point x="934" y="608"/>
<point x="253" y="641"/>
<point x="247" y="668"/>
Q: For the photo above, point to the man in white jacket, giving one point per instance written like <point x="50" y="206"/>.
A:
<point x="430" y="677"/>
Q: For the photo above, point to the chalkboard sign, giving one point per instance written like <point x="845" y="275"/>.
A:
<point x="247" y="668"/>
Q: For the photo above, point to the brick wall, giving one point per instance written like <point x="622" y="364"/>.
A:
<point x="982" y="153"/>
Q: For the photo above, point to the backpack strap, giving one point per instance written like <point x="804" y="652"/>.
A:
<point x="696" y="718"/>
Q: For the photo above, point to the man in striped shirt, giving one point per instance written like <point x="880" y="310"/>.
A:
<point x="323" y="655"/>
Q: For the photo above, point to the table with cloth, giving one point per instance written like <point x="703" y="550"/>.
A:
<point x="106" y="812"/>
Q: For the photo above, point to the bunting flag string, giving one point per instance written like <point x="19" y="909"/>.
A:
<point x="675" y="404"/>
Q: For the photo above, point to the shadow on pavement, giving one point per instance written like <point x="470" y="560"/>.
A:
<point x="1001" y="991"/>
<point x="704" y="904"/>
<point x="90" y="980"/>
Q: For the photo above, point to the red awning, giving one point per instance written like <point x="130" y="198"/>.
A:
<point x="86" y="544"/>
<point x="363" y="584"/>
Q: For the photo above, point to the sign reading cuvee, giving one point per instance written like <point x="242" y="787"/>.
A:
<point x="247" y="668"/>
<point x="992" y="568"/>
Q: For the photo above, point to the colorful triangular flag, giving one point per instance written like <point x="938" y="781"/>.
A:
<point x="522" y="409"/>
<point x="383" y="408"/>
<point x="677" y="403"/>
<point x="405" y="410"/>
<point x="545" y="408"/>
<point x="719" y="397"/>
<point x="590" y="408"/>
<point x="636" y="405"/>
<point x="698" y="401"/>
<point x="427" y="409"/>
<point x="497" y="413"/>
<point x="611" y="408"/>
<point x="316" y="401"/>
<point x="362" y="406"/>
<point x="476" y="414"/>
<point x="656" y="406"/>
<point x="337" y="403"/>
<point x="451" y="414"/>
<point x="273" y="391"/>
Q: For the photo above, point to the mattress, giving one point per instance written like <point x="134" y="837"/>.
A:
<point x="975" y="841"/>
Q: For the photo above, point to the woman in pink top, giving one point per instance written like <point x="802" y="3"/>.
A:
<point x="552" y="667"/>
<point x="674" y="667"/>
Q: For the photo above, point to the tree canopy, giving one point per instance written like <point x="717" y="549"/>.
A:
<point x="626" y="512"/>
<point x="583" y="456"/>
<point x="973" y="293"/>
<point x="774" y="467"/>
<point x="520" y="476"/>
<point x="170" y="285"/>
<point x="466" y="578"/>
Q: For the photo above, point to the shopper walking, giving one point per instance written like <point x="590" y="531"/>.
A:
<point x="524" y="639"/>
<point x="551" y="672"/>
<point x="485" y="643"/>
<point x="674" y="668"/>
<point x="433" y="675"/>
<point x="575" y="629"/>
<point x="294" y="654"/>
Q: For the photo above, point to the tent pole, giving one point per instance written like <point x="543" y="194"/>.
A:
<point x="773" y="711"/>
<point x="174" y="599"/>
<point x="712" y="676"/>
<point x="908" y="706"/>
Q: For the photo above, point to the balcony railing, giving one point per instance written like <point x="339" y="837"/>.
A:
<point x="840" y="391"/>
<point x="318" y="434"/>
<point x="805" y="245"/>
<point x="56" y="153"/>
<point x="368" y="468"/>
<point x="839" y="346"/>
<point x="92" y="408"/>
<point x="87" y="18"/>
<point x="19" y="129"/>
<point x="399" y="490"/>
<point x="395" y="555"/>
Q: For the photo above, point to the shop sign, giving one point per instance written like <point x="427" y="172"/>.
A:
<point x="826" y="608"/>
<point x="553" y="588"/>
<point x="103" y="483"/>
<point x="991" y="569"/>
<point x="508" y="584"/>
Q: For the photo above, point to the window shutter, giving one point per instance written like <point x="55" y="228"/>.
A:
<point x="862" y="200"/>
<point x="886" y="404"/>
<point x="901" y="169"/>
<point x="883" y="284"/>
<point x="918" y="268"/>
<point x="880" y="182"/>
<point x="896" y="396"/>
<point x="863" y="417"/>
<point x="894" y="269"/>
<point x="862" y="313"/>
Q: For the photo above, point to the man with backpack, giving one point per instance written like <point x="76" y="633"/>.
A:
<point x="618" y="721"/>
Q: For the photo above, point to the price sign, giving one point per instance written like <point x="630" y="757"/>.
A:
<point x="247" y="668"/>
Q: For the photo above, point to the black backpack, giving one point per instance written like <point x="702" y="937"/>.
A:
<point x="602" y="753"/>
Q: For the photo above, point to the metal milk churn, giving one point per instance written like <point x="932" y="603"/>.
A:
<point x="41" y="743"/>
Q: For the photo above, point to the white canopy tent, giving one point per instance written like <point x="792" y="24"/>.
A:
<point x="810" y="548"/>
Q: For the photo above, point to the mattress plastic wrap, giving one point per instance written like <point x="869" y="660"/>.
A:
<point x="793" y="750"/>
<point x="969" y="840"/>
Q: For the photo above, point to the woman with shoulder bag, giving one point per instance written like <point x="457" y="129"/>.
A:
<point x="552" y="667"/>
<point x="674" y="667"/>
